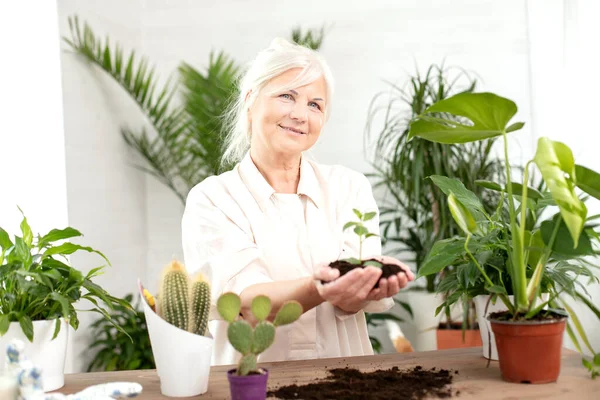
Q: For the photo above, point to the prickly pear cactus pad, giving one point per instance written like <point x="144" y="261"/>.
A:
<point x="251" y="342"/>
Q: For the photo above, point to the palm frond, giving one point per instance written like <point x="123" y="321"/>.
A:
<point x="418" y="209"/>
<point x="313" y="38"/>
<point x="186" y="147"/>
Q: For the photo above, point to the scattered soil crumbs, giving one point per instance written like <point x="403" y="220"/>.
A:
<point x="351" y="384"/>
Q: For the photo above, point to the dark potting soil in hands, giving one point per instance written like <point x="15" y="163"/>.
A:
<point x="352" y="384"/>
<point x="387" y="270"/>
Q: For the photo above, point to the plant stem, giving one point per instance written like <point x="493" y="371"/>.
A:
<point x="519" y="277"/>
<point x="524" y="202"/>
<point x="487" y="278"/>
<point x="360" y="248"/>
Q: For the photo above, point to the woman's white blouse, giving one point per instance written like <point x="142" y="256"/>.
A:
<point x="238" y="232"/>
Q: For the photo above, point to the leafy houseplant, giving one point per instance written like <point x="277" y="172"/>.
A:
<point x="247" y="381"/>
<point x="177" y="322"/>
<point x="542" y="254"/>
<point x="116" y="351"/>
<point x="186" y="145"/>
<point x="39" y="287"/>
<point x="414" y="213"/>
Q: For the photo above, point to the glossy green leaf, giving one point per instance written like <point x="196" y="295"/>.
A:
<point x="464" y="195"/>
<point x="496" y="289"/>
<point x="517" y="188"/>
<point x="588" y="181"/>
<point x="26" y="326"/>
<point x="442" y="254"/>
<point x="357" y="213"/>
<point x="22" y="252"/>
<point x="489" y="185"/>
<point x="555" y="160"/>
<point x="58" y="234"/>
<point x="56" y="328"/>
<point x="369" y="216"/>
<point x="487" y="115"/>
<point x="349" y="224"/>
<point x="63" y="301"/>
<point x="70" y="248"/>
<point x="360" y="230"/>
<point x="462" y="216"/>
<point x="4" y="324"/>
<point x="534" y="246"/>
<point x="26" y="230"/>
<point x="5" y="242"/>
<point x="563" y="244"/>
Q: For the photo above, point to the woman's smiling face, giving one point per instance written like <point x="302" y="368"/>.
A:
<point x="288" y="122"/>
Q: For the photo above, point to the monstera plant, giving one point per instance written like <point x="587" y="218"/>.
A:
<point x="543" y="254"/>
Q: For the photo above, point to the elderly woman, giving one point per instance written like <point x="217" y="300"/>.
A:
<point x="274" y="223"/>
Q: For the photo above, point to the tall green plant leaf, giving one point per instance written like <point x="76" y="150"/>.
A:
<point x="487" y="116"/>
<point x="588" y="181"/>
<point x="443" y="253"/>
<point x="462" y="216"/>
<point x="453" y="186"/>
<point x="556" y="163"/>
<point x="58" y="234"/>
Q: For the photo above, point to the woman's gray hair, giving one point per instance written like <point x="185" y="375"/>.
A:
<point x="278" y="58"/>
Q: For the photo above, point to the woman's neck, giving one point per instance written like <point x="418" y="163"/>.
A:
<point x="281" y="172"/>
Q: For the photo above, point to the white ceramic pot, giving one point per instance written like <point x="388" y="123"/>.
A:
<point x="423" y="305"/>
<point x="487" y="336"/>
<point x="182" y="358"/>
<point x="43" y="352"/>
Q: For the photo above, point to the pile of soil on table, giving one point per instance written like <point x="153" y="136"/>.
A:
<point x="351" y="384"/>
<point x="387" y="270"/>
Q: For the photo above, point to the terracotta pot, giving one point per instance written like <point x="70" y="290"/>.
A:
<point x="529" y="351"/>
<point x="250" y="387"/>
<point x="453" y="338"/>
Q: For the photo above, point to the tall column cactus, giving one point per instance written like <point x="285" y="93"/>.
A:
<point x="174" y="295"/>
<point x="199" y="305"/>
<point x="181" y="303"/>
<point x="251" y="342"/>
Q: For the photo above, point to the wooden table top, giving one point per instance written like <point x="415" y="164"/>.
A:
<point x="474" y="380"/>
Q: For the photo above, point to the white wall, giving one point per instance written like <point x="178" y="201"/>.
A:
<point x="565" y="97"/>
<point x="107" y="196"/>
<point x="32" y="158"/>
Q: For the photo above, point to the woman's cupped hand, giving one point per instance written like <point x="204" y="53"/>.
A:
<point x="353" y="290"/>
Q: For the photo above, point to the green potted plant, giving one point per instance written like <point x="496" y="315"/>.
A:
<point x="177" y="321"/>
<point x="529" y="333"/>
<point x="38" y="291"/>
<point x="414" y="213"/>
<point x="247" y="381"/>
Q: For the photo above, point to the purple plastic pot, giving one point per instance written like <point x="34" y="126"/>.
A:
<point x="250" y="387"/>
